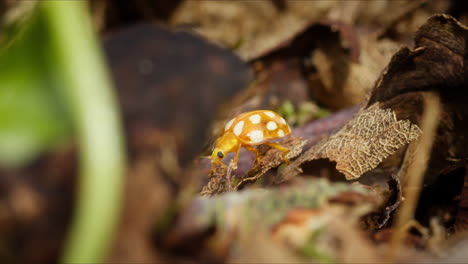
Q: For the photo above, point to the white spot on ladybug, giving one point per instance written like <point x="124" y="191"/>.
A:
<point x="229" y="124"/>
<point x="270" y="114"/>
<point x="283" y="121"/>
<point x="256" y="136"/>
<point x="255" y="119"/>
<point x="238" y="128"/>
<point x="271" y="125"/>
<point x="280" y="133"/>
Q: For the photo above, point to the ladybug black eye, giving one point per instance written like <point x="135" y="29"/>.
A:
<point x="220" y="154"/>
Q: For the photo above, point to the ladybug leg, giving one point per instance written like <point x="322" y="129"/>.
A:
<point x="255" y="151"/>
<point x="236" y="157"/>
<point x="279" y="147"/>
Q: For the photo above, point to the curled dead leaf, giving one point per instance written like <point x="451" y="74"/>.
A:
<point x="363" y="143"/>
<point x="342" y="81"/>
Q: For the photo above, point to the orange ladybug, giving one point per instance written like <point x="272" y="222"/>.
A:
<point x="248" y="130"/>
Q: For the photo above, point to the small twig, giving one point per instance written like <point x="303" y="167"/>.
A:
<point x="413" y="169"/>
<point x="246" y="180"/>
<point x="229" y="175"/>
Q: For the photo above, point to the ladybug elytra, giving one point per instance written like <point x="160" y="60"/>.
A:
<point x="248" y="130"/>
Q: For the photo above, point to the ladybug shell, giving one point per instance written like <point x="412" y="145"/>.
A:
<point x="257" y="127"/>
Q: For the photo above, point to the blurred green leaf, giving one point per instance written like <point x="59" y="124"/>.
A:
<point x="89" y="95"/>
<point x="302" y="113"/>
<point x="322" y="113"/>
<point x="54" y="82"/>
<point x="287" y="111"/>
<point x="312" y="249"/>
<point x="32" y="117"/>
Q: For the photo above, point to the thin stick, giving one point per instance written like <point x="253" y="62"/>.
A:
<point x="413" y="169"/>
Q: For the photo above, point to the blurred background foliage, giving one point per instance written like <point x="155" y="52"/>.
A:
<point x="174" y="90"/>
<point x="33" y="114"/>
<point x="54" y="88"/>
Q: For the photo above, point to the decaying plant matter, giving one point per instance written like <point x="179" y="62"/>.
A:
<point x="378" y="149"/>
<point x="374" y="142"/>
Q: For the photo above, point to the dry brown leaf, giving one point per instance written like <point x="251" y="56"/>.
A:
<point x="252" y="27"/>
<point x="363" y="143"/>
<point x="340" y="81"/>
<point x="435" y="64"/>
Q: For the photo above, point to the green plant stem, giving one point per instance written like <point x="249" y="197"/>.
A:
<point x="89" y="94"/>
